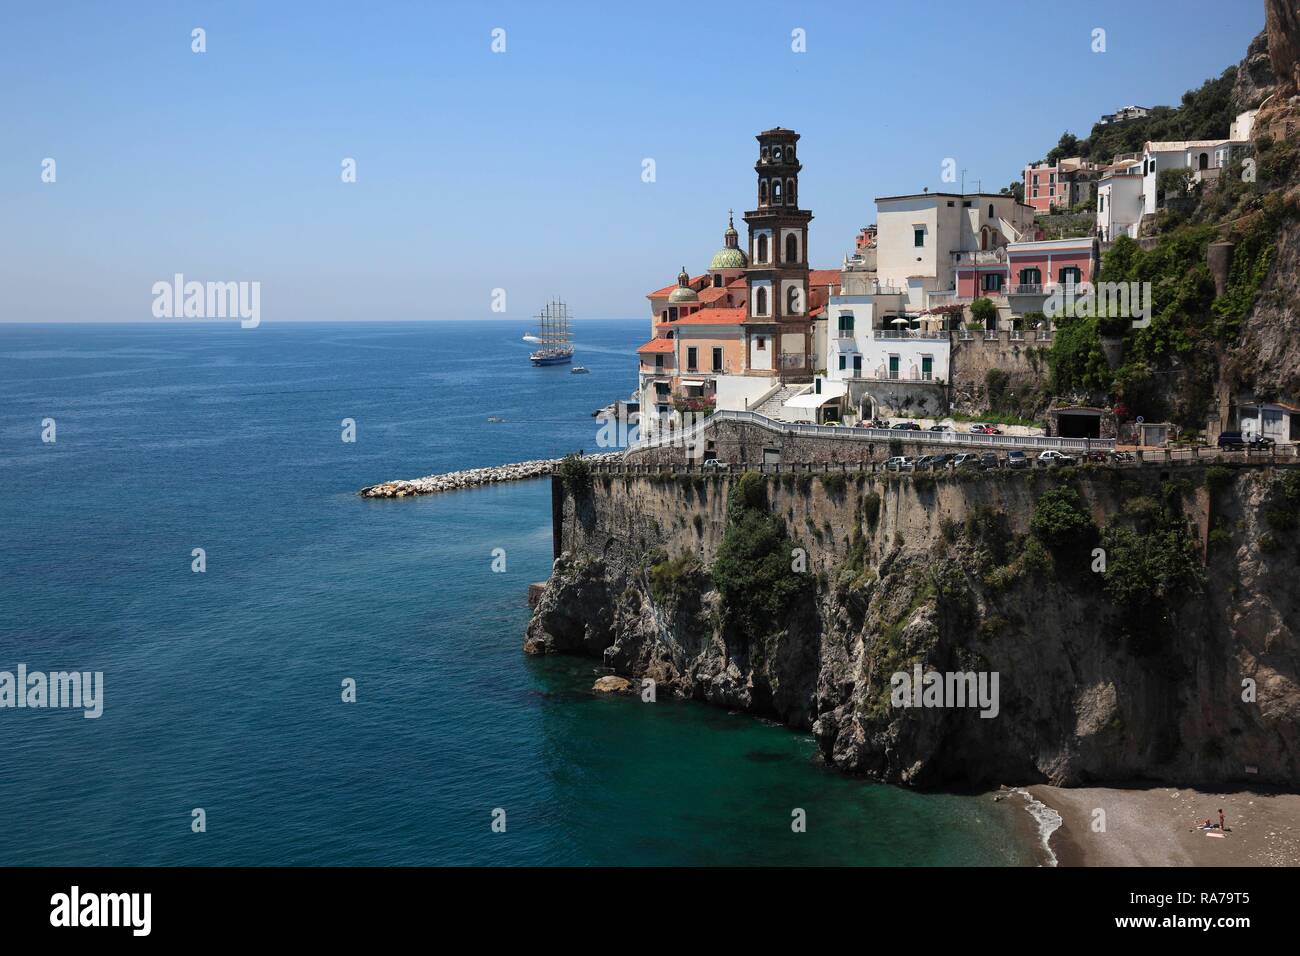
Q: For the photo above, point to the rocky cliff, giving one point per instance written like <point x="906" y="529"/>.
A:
<point x="800" y="599"/>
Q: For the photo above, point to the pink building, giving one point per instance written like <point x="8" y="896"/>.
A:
<point x="1068" y="183"/>
<point x="1023" y="274"/>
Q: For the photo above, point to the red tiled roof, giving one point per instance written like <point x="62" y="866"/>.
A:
<point x="823" y="276"/>
<point x="739" y="280"/>
<point x="712" y="295"/>
<point x="695" y="283"/>
<point x="714" y="316"/>
<point x="657" y="345"/>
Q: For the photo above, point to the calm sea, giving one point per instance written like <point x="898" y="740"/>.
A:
<point x="222" y="689"/>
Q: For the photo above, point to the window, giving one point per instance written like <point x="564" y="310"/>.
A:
<point x="659" y="360"/>
<point x="672" y="313"/>
<point x="857" y="366"/>
<point x="918" y="238"/>
<point x="843" y="362"/>
<point x="846" y="322"/>
<point x="663" y="316"/>
<point x="762" y="192"/>
<point x="762" y="343"/>
<point x="951" y="204"/>
<point x="717" y="359"/>
<point x="1031" y="276"/>
<point x="789" y="154"/>
<point x="776" y="191"/>
<point x="760" y="253"/>
<point x="760" y="303"/>
<point x="927" y="367"/>
<point x="792" y="248"/>
<point x="992" y="282"/>
<point x="992" y="214"/>
<point x="717" y="280"/>
<point x="789" y="192"/>
<point x="1071" y="275"/>
<point x="893" y="366"/>
<point x="966" y="204"/>
<point x="1101" y="202"/>
<point x="690" y="358"/>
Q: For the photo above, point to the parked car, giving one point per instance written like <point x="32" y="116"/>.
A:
<point x="1051" y="458"/>
<point x="900" y="463"/>
<point x="940" y="461"/>
<point x="907" y="427"/>
<point x="1017" y="459"/>
<point x="714" y="464"/>
<point x="940" y="428"/>
<point x="979" y="428"/>
<point x="1231" y="440"/>
<point x="965" y="460"/>
<point x="925" y="461"/>
<point x="989" y="459"/>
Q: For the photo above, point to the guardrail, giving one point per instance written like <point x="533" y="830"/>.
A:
<point x="844" y="433"/>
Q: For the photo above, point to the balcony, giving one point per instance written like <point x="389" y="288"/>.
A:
<point x="1029" y="288"/>
<point x="881" y="373"/>
<point x="844" y="334"/>
<point x="979" y="257"/>
<point x="899" y="334"/>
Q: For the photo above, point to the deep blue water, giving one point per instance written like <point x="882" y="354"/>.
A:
<point x="222" y="689"/>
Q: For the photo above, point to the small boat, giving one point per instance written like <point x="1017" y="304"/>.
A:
<point x="529" y="337"/>
<point x="495" y="419"/>
<point x="578" y="370"/>
<point x="553" y="334"/>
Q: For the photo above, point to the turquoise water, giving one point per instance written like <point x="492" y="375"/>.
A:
<point x="222" y="689"/>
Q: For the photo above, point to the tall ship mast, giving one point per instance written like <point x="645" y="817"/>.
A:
<point x="553" y="335"/>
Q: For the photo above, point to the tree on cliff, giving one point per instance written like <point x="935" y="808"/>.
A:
<point x="753" y="569"/>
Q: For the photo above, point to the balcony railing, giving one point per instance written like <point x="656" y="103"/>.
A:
<point x="844" y="334"/>
<point x="1029" y="288"/>
<point x="979" y="257"/>
<point x="896" y="334"/>
<point x="883" y="374"/>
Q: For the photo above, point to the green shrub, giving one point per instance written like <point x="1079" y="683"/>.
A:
<point x="834" y="483"/>
<point x="752" y="571"/>
<point x="871" y="508"/>
<point x="1281" y="520"/>
<point x="575" y="475"/>
<point x="1217" y="478"/>
<point x="672" y="578"/>
<point x="1220" y="539"/>
<point x="1060" y="520"/>
<point x="1149" y="568"/>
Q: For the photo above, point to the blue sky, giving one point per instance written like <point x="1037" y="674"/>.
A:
<point x="519" y="170"/>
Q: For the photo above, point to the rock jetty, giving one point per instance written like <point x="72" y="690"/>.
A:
<point x="457" y="480"/>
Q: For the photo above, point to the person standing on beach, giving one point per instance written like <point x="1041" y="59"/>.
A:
<point x="1222" y="826"/>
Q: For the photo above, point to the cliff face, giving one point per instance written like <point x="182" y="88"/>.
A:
<point x="950" y="576"/>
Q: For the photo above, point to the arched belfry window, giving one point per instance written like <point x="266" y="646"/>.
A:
<point x="791" y="248"/>
<point x="776" y="191"/>
<point x="992" y="214"/>
<point x="760" y="254"/>
<point x="760" y="301"/>
<point x="789" y="192"/>
<point x="762" y="192"/>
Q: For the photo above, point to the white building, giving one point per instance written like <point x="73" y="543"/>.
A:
<point x="918" y="234"/>
<point x="1119" y="201"/>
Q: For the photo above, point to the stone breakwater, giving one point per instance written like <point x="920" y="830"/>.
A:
<point x="472" y="478"/>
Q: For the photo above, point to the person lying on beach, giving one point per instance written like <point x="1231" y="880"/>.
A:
<point x="1207" y="825"/>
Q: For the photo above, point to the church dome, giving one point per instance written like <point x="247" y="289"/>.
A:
<point x="683" y="292"/>
<point x="729" y="259"/>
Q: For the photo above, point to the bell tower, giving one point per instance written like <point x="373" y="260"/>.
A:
<point x="777" y="275"/>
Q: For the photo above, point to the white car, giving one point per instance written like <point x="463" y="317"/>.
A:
<point x="714" y="464"/>
<point x="1050" y="457"/>
<point x="900" y="463"/>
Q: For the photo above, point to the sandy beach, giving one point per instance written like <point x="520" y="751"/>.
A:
<point x="1153" y="826"/>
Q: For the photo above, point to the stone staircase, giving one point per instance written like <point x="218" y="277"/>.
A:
<point x="773" y="407"/>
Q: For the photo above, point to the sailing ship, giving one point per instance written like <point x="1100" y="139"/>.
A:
<point x="553" y="336"/>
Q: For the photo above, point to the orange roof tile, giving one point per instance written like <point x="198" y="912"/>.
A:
<point x="657" y="345"/>
<point x="823" y="276"/>
<point x="714" y="316"/>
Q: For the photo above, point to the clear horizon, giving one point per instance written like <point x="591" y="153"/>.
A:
<point x="519" y="170"/>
